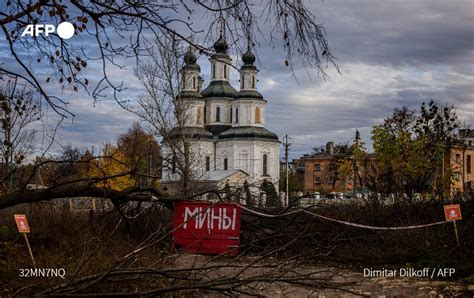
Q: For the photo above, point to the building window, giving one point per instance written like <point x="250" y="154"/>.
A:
<point x="218" y="114"/>
<point x="317" y="167"/>
<point x="317" y="180"/>
<point x="198" y="115"/>
<point x="230" y="115"/>
<point x="208" y="163"/>
<point x="458" y="158"/>
<point x="236" y="115"/>
<point x="372" y="168"/>
<point x="242" y="82"/>
<point x="225" y="71"/>
<point x="253" y="82"/>
<point x="331" y="180"/>
<point x="213" y="70"/>
<point x="257" y="115"/>
<point x="205" y="114"/>
<point x="226" y="164"/>
<point x="194" y="83"/>
<point x="265" y="165"/>
<point x="332" y="167"/>
<point x="468" y="164"/>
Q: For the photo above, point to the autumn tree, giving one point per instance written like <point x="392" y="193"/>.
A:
<point x="112" y="166"/>
<point x="142" y="153"/>
<point x="409" y="148"/>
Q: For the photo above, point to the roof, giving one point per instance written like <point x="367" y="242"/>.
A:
<point x="190" y="132"/>
<point x="249" y="132"/>
<point x="219" y="89"/>
<point x="220" y="175"/>
<point x="249" y="94"/>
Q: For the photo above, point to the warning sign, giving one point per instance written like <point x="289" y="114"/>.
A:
<point x="22" y="223"/>
<point x="452" y="212"/>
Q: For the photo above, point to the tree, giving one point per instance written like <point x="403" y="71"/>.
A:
<point x="142" y="153"/>
<point x="18" y="112"/>
<point x="410" y="147"/>
<point x="113" y="167"/>
<point x="359" y="161"/>
<point x="98" y="23"/>
<point x="272" y="197"/>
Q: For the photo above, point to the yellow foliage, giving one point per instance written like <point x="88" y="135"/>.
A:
<point x="112" y="163"/>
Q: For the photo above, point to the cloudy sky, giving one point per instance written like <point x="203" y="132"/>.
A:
<point x="391" y="54"/>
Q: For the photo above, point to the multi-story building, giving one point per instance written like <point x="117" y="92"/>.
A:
<point x="459" y="161"/>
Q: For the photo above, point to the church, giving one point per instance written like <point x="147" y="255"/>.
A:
<point x="224" y="128"/>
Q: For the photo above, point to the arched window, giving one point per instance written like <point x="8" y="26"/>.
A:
<point x="225" y="71"/>
<point x="205" y="115"/>
<point x="213" y="70"/>
<point x="226" y="164"/>
<point x="208" y="163"/>
<point x="194" y="82"/>
<point x="253" y="82"/>
<point x="230" y="119"/>
<point x="265" y="165"/>
<point x="198" y="116"/>
<point x="257" y="115"/>
<point x="236" y="115"/>
<point x="218" y="114"/>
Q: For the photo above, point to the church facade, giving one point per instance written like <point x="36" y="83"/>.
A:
<point x="225" y="128"/>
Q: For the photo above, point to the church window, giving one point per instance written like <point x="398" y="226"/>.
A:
<point x="208" y="163"/>
<point x="265" y="165"/>
<point x="213" y="70"/>
<point x="257" y="115"/>
<point x="236" y="115"/>
<point x="218" y="114"/>
<point x="194" y="82"/>
<point x="198" y="116"/>
<point x="253" y="82"/>
<point x="226" y="164"/>
<point x="225" y="71"/>
<point x="230" y="120"/>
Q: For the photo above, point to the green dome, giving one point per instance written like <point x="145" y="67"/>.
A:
<point x="197" y="133"/>
<point x="221" y="45"/>
<point x="248" y="57"/>
<point x="249" y="133"/>
<point x="249" y="94"/>
<point x="189" y="57"/>
<point x="219" y="89"/>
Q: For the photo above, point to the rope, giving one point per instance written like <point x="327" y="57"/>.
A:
<point x="341" y="221"/>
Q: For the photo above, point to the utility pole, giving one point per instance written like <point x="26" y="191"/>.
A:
<point x="287" y="195"/>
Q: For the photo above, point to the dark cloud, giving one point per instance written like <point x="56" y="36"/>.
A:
<point x="391" y="54"/>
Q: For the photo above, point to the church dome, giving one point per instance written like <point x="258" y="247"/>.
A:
<point x="221" y="45"/>
<point x="189" y="57"/>
<point x="248" y="57"/>
<point x="219" y="89"/>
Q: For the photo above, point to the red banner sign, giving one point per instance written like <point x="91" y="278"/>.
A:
<point x="452" y="212"/>
<point x="207" y="228"/>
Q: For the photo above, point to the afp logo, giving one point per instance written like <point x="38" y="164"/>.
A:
<point x="65" y="30"/>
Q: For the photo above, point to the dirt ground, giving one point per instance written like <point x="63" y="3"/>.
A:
<point x="351" y="283"/>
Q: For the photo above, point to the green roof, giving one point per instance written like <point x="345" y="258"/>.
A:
<point x="249" y="94"/>
<point x="190" y="133"/>
<point x="248" y="132"/>
<point x="219" y="89"/>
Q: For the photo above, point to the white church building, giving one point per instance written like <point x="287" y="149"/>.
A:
<point x="225" y="127"/>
